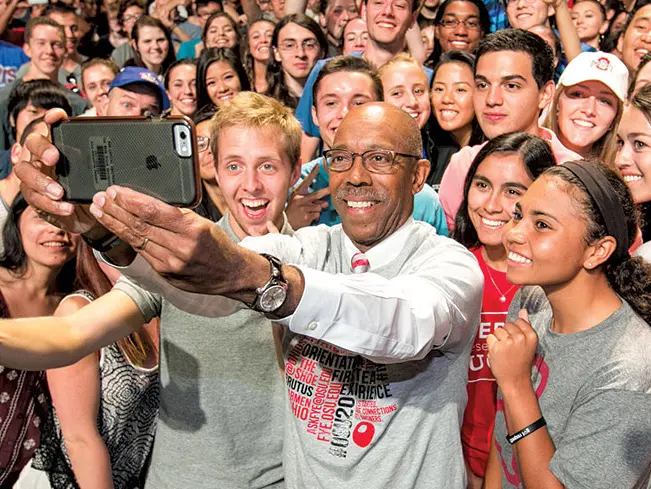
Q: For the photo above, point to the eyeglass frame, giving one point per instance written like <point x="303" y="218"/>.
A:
<point x="294" y="48"/>
<point x="364" y="164"/>
<point x="203" y="138"/>
<point x="454" y="23"/>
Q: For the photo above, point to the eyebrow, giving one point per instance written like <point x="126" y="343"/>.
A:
<point x="638" y="134"/>
<point x="518" y="207"/>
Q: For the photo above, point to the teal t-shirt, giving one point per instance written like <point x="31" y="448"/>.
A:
<point x="427" y="207"/>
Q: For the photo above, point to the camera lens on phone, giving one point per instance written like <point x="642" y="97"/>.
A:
<point x="184" y="135"/>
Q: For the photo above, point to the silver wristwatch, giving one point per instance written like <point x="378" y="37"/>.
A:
<point x="271" y="296"/>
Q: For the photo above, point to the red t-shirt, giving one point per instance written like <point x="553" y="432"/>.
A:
<point x="479" y="416"/>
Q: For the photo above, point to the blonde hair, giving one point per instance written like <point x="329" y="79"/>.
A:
<point x="399" y="58"/>
<point x="253" y="110"/>
<point x="605" y="147"/>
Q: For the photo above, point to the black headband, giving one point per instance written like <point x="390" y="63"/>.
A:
<point x="602" y="194"/>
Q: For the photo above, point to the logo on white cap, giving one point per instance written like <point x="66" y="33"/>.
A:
<point x="602" y="64"/>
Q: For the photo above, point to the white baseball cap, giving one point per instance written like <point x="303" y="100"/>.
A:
<point x="598" y="66"/>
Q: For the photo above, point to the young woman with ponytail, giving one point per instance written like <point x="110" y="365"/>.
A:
<point x="572" y="362"/>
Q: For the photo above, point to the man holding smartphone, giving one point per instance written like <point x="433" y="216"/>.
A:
<point x="222" y="399"/>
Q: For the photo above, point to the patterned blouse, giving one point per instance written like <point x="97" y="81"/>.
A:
<point x="23" y="404"/>
<point x="127" y="422"/>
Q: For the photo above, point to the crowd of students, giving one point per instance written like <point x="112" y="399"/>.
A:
<point x="439" y="144"/>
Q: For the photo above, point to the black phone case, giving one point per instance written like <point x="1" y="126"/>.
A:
<point x="133" y="152"/>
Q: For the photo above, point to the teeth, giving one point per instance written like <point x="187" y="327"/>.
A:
<point x="414" y="114"/>
<point x="359" y="205"/>
<point x="493" y="224"/>
<point x="253" y="202"/>
<point x="632" y="178"/>
<point x="586" y="124"/>
<point x="449" y="114"/>
<point x="54" y="244"/>
<point x="518" y="258"/>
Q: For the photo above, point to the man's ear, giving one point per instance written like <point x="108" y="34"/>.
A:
<point x="276" y="55"/>
<point x="620" y="42"/>
<point x="14" y="155"/>
<point x="315" y="119"/>
<point x="322" y="20"/>
<point x="27" y="50"/>
<point x="421" y="171"/>
<point x="546" y="94"/>
<point x="296" y="173"/>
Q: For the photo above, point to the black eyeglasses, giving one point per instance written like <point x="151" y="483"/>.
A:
<point x="471" y="24"/>
<point x="374" y="160"/>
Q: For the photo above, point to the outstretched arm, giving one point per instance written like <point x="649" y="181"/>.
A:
<point x="52" y="342"/>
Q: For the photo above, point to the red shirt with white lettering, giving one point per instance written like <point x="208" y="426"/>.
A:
<point x="479" y="416"/>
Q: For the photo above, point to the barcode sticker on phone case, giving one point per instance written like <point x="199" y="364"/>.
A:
<point x="100" y="148"/>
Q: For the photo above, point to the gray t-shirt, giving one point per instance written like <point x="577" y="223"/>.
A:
<point x="594" y="391"/>
<point x="222" y="397"/>
<point x="122" y="54"/>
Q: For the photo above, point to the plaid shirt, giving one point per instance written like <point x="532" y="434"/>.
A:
<point x="497" y="14"/>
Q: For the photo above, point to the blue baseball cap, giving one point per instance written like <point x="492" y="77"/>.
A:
<point x="134" y="74"/>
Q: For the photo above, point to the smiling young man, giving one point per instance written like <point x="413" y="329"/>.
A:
<point x="45" y="45"/>
<point x="513" y="83"/>
<point x="222" y="396"/>
<point x="333" y="16"/>
<point x="635" y="40"/>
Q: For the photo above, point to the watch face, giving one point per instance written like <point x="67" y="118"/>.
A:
<point x="272" y="298"/>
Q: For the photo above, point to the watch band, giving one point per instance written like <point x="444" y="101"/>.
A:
<point x="103" y="245"/>
<point x="276" y="279"/>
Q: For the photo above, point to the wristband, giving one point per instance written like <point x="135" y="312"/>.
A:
<point x="103" y="245"/>
<point x="515" y="437"/>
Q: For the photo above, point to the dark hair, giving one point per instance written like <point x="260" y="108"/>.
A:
<point x="227" y="17"/>
<point x="29" y="128"/>
<point x="204" y="114"/>
<point x="14" y="257"/>
<point x="643" y="62"/>
<point x="59" y="8"/>
<point x="210" y="56"/>
<point x="177" y="63"/>
<point x="34" y="22"/>
<point x="536" y="155"/>
<point x="275" y="74"/>
<point x="519" y="40"/>
<point x="124" y="5"/>
<point x="640" y="4"/>
<point x="245" y="51"/>
<point x="602" y="9"/>
<point x="42" y="94"/>
<point x="630" y="278"/>
<point x="203" y="3"/>
<point x="349" y="64"/>
<point x="147" y="21"/>
<point x="434" y="130"/>
<point x="484" y="21"/>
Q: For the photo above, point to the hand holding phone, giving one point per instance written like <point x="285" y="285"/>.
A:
<point x="154" y="156"/>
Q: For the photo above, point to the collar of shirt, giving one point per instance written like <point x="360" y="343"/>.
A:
<point x="385" y="251"/>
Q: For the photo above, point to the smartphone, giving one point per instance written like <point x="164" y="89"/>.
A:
<point x="155" y="156"/>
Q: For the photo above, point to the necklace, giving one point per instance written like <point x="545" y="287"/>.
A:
<point x="502" y="295"/>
